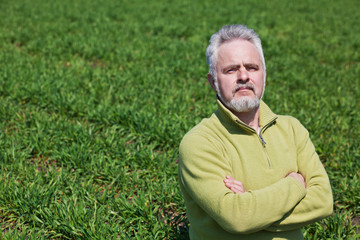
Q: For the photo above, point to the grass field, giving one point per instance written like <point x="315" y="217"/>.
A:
<point x="95" y="97"/>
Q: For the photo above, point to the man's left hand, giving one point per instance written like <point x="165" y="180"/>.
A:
<point x="234" y="185"/>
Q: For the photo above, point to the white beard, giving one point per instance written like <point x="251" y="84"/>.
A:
<point x="244" y="104"/>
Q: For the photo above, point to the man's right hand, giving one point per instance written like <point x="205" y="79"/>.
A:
<point x="298" y="177"/>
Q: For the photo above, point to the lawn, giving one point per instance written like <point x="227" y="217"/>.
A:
<point x="95" y="97"/>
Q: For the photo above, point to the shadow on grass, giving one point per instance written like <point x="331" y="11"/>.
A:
<point x="180" y="226"/>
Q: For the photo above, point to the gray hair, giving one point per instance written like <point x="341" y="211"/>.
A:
<point x="225" y="34"/>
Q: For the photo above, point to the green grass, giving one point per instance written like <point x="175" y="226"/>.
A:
<point x="95" y="97"/>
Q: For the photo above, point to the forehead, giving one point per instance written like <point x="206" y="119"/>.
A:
<point x="238" y="51"/>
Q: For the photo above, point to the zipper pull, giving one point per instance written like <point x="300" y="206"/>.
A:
<point x="262" y="140"/>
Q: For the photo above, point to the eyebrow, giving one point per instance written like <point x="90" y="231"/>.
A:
<point x="237" y="66"/>
<point x="251" y="65"/>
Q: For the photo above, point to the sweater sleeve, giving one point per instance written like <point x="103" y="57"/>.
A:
<point x="202" y="168"/>
<point x="318" y="202"/>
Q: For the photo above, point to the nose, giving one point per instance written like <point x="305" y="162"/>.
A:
<point x="242" y="75"/>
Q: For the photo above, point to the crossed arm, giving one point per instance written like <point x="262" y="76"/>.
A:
<point x="237" y="186"/>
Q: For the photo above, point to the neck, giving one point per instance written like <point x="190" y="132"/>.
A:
<point x="250" y="118"/>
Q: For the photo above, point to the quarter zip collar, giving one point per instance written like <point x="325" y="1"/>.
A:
<point x="266" y="117"/>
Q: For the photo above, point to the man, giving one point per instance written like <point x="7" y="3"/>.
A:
<point x="280" y="183"/>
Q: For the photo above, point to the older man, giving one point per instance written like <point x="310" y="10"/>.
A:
<point x="280" y="183"/>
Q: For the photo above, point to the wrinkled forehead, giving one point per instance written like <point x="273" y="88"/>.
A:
<point x="238" y="51"/>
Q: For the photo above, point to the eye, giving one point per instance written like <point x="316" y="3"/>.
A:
<point x="231" y="69"/>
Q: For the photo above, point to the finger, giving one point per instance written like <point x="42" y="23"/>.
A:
<point x="237" y="189"/>
<point x="231" y="188"/>
<point x="237" y="182"/>
<point x="229" y="178"/>
<point x="232" y="180"/>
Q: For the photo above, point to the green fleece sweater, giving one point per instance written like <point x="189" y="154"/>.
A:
<point x="274" y="206"/>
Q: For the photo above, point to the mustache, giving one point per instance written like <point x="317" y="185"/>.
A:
<point x="243" y="85"/>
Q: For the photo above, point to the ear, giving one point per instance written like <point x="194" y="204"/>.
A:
<point x="212" y="82"/>
<point x="265" y="73"/>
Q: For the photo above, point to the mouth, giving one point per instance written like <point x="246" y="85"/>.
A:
<point x="242" y="87"/>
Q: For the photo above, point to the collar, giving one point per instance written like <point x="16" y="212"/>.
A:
<point x="266" y="116"/>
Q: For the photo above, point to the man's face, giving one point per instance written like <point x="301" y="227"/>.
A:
<point x="240" y="72"/>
